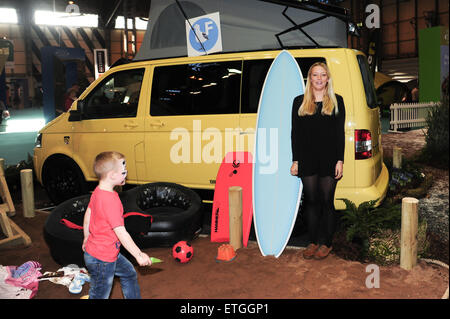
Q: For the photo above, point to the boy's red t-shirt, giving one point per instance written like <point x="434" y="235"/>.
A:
<point x="106" y="214"/>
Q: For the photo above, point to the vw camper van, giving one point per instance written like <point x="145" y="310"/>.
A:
<point x="175" y="119"/>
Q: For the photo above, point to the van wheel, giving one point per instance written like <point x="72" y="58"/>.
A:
<point x="63" y="179"/>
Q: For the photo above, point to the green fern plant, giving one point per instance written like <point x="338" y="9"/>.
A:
<point x="367" y="219"/>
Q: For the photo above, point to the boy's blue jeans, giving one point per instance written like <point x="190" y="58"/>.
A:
<point x="102" y="276"/>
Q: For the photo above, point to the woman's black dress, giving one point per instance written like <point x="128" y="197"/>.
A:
<point x="318" y="140"/>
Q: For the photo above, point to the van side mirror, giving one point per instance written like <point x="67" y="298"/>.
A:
<point x="77" y="115"/>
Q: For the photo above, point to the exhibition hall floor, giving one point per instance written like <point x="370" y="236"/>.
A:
<point x="18" y="134"/>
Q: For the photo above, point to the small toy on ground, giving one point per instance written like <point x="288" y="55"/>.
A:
<point x="155" y="260"/>
<point x="225" y="252"/>
<point x="77" y="283"/>
<point x="182" y="251"/>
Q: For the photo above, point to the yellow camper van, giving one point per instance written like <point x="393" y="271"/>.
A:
<point x="175" y="119"/>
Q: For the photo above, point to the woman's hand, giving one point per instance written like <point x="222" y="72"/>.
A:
<point x="339" y="170"/>
<point x="294" y="168"/>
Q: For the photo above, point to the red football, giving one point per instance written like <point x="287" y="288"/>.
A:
<point x="182" y="252"/>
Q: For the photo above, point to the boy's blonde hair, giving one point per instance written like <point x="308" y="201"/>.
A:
<point x="329" y="103"/>
<point x="104" y="163"/>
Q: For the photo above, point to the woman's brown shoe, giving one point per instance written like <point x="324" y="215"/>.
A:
<point x="309" y="252"/>
<point x="322" y="252"/>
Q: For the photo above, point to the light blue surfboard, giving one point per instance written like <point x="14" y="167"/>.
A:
<point x="276" y="193"/>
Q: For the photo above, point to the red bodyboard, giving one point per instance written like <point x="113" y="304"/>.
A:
<point x="235" y="170"/>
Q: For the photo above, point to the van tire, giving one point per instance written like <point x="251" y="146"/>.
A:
<point x="63" y="179"/>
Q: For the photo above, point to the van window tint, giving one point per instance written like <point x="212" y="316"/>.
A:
<point x="195" y="89"/>
<point x="367" y="77"/>
<point x="116" y="96"/>
<point x="254" y="75"/>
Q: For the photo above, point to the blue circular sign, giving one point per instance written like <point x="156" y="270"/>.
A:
<point x="207" y="32"/>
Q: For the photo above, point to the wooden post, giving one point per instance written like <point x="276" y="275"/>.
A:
<point x="397" y="157"/>
<point x="26" y="181"/>
<point x="235" y="213"/>
<point x="408" y="238"/>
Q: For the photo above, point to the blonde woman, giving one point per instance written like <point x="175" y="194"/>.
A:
<point x="318" y="139"/>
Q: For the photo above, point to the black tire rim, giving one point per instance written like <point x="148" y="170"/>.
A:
<point x="62" y="183"/>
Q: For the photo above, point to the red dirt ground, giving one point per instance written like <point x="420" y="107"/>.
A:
<point x="249" y="276"/>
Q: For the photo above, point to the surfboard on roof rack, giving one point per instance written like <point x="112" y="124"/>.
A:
<point x="249" y="25"/>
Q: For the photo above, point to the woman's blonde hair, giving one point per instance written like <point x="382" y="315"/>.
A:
<point x="329" y="102"/>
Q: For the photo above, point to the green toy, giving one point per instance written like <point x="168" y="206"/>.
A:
<point x="155" y="260"/>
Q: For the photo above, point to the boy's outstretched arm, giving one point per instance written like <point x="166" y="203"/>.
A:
<point x="125" y="239"/>
<point x="86" y="221"/>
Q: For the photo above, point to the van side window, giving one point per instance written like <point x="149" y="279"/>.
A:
<point x="253" y="79"/>
<point x="195" y="89"/>
<point x="367" y="78"/>
<point x="116" y="96"/>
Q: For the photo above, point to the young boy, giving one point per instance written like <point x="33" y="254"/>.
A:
<point x="104" y="232"/>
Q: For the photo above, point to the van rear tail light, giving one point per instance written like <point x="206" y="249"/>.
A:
<point x="363" y="144"/>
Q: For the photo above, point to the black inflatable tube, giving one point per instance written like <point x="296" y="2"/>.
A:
<point x="176" y="212"/>
<point x="64" y="252"/>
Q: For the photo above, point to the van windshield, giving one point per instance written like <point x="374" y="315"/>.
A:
<point x="367" y="77"/>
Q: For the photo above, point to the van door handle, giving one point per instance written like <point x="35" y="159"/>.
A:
<point x="159" y="124"/>
<point x="130" y="125"/>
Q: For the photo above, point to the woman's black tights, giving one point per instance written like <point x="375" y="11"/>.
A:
<point x="319" y="207"/>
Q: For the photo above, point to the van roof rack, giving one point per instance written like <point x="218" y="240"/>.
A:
<point x="315" y="6"/>
<point x="326" y="9"/>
